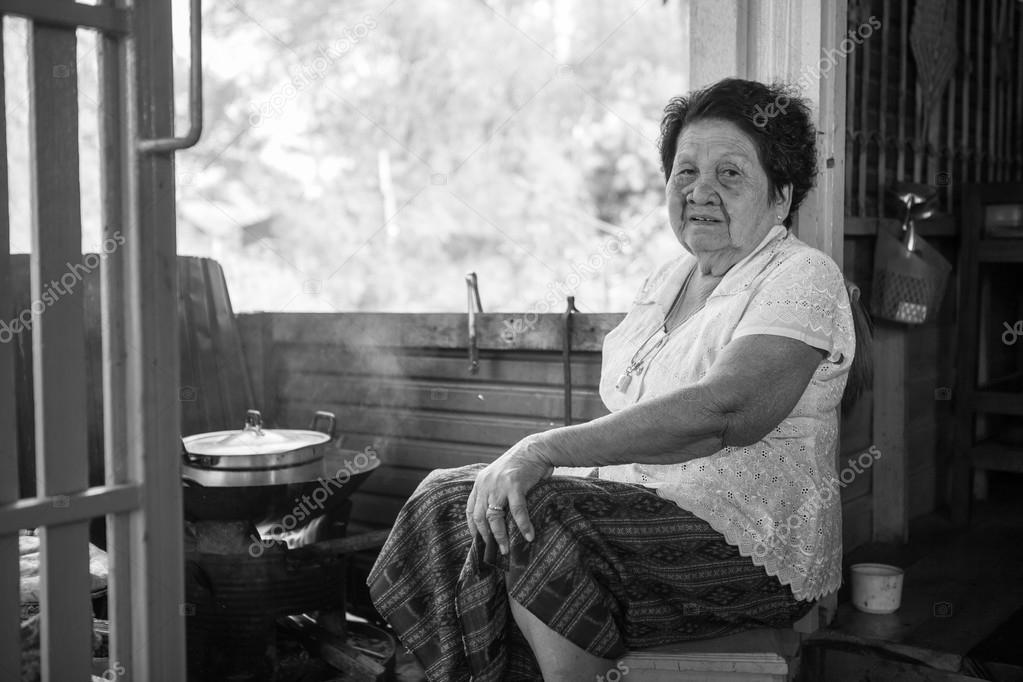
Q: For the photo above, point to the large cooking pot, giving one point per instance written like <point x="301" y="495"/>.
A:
<point x="259" y="474"/>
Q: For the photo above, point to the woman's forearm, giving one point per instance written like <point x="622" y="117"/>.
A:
<point x="670" y="429"/>
<point x="755" y="383"/>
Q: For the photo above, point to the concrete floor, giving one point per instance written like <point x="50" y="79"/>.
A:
<point x="960" y="587"/>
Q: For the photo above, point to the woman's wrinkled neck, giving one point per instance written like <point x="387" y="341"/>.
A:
<point x="717" y="263"/>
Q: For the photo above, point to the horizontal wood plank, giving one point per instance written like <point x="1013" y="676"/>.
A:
<point x="422" y="454"/>
<point x="495" y="331"/>
<point x="500" y="366"/>
<point x="452" y="426"/>
<point x="479" y="398"/>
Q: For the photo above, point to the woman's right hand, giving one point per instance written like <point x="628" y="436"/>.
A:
<point x="501" y="487"/>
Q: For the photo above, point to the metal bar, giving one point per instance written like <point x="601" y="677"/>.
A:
<point x="964" y="134"/>
<point x="115" y="133"/>
<point x="69" y="15"/>
<point x="58" y="347"/>
<point x="170" y="144"/>
<point x="1017" y="121"/>
<point x="882" y="160"/>
<point x="864" y="128"/>
<point x="978" y="139"/>
<point x="10" y="643"/>
<point x="58" y="510"/>
<point x="850" y="128"/>
<point x="566" y="357"/>
<point x="949" y="165"/>
<point x="992" y="96"/>
<point x="900" y="163"/>
<point x="153" y="416"/>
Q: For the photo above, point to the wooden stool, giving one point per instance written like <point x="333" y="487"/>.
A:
<point x="762" y="655"/>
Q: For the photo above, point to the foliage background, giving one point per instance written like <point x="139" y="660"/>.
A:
<point x="366" y="154"/>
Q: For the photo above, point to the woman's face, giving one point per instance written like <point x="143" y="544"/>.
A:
<point x="718" y="200"/>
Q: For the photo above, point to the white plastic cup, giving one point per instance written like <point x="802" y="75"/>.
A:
<point x="876" y="588"/>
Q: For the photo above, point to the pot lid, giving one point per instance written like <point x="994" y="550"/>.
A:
<point x="253" y="439"/>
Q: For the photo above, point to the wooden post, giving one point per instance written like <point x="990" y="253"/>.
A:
<point x="153" y="359"/>
<point x="717" y="41"/>
<point x="10" y="645"/>
<point x="115" y="134"/>
<point x="796" y="41"/>
<point x="58" y="348"/>
<point x="891" y="522"/>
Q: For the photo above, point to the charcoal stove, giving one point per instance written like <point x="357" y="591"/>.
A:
<point x="265" y="551"/>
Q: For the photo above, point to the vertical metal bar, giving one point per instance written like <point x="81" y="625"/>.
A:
<point x="950" y="124"/>
<point x="993" y="98"/>
<point x="1017" y="121"/>
<point x="850" y="131"/>
<point x="153" y="416"/>
<point x="900" y="163"/>
<point x="115" y="140"/>
<point x="864" y="131"/>
<point x="882" y="128"/>
<point x="10" y="643"/>
<point x="58" y="347"/>
<point x="978" y="138"/>
<point x="964" y="134"/>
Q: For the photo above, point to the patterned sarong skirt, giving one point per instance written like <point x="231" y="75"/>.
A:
<point x="613" y="567"/>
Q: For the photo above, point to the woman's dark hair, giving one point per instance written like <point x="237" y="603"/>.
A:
<point x="775" y="118"/>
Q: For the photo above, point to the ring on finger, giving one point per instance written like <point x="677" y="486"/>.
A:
<point x="494" y="509"/>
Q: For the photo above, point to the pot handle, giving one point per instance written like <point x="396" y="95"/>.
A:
<point x="331" y="423"/>
<point x="254" y="422"/>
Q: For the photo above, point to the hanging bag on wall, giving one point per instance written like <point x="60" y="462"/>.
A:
<point x="909" y="274"/>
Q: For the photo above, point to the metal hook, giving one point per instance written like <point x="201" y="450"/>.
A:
<point x="566" y="356"/>
<point x="475" y="307"/>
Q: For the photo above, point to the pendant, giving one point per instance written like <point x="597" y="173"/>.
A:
<point x="622" y="385"/>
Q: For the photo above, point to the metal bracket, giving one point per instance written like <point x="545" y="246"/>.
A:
<point x="172" y="144"/>
<point x="475" y="307"/>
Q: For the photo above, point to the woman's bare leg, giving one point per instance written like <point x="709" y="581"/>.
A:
<point x="560" y="660"/>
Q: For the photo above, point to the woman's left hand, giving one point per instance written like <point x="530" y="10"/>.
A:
<point x="502" y="486"/>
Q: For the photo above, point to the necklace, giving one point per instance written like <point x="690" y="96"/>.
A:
<point x="637" y="361"/>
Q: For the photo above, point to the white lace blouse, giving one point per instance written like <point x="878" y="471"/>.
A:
<point x="778" y="499"/>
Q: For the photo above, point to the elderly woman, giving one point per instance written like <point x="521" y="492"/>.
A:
<point x="705" y="503"/>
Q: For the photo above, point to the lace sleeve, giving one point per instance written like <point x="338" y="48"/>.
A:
<point x="803" y="299"/>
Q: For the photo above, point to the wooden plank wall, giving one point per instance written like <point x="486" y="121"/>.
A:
<point x="400" y="383"/>
<point x="975" y="134"/>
